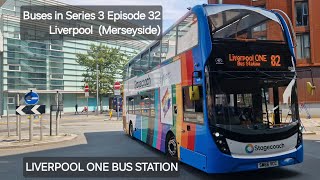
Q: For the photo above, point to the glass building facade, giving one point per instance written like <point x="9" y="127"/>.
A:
<point x="44" y="66"/>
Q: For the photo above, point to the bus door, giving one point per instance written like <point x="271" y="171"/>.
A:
<point x="192" y="129"/>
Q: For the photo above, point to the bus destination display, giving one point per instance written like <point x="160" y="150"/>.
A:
<point x="232" y="56"/>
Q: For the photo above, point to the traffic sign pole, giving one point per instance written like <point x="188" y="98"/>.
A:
<point x="116" y="87"/>
<point x="86" y="94"/>
<point x="19" y="119"/>
<point x="19" y="128"/>
<point x="30" y="128"/>
<point x="57" y="115"/>
<point x="118" y="113"/>
<point x="41" y="127"/>
<point x="8" y="126"/>
<point x="50" y="120"/>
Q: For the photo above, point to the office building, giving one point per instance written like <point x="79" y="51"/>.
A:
<point x="44" y="66"/>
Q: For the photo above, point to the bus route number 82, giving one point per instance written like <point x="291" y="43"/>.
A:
<point x="275" y="60"/>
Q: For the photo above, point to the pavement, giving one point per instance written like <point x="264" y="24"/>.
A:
<point x="12" y="141"/>
<point x="311" y="126"/>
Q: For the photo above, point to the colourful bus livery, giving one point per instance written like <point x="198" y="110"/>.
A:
<point x="218" y="91"/>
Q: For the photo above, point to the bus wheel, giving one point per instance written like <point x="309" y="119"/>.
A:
<point x="131" y="130"/>
<point x="172" y="148"/>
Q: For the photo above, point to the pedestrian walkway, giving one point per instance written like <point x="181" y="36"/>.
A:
<point x="311" y="126"/>
<point x="13" y="142"/>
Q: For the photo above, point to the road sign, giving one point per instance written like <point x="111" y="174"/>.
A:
<point x="30" y="109"/>
<point x="117" y="92"/>
<point x="31" y="98"/>
<point x="117" y="86"/>
<point x="86" y="88"/>
<point x="58" y="97"/>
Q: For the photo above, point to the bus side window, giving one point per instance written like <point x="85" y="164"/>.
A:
<point x="187" y="33"/>
<point x="129" y="71"/>
<point x="152" y="105"/>
<point x="130" y="105"/>
<point x="155" y="56"/>
<point x="145" y="62"/>
<point x="137" y="108"/>
<point x="168" y="43"/>
<point x="145" y="105"/>
<point x="193" y="110"/>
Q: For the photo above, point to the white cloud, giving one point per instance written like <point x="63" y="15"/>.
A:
<point x="172" y="9"/>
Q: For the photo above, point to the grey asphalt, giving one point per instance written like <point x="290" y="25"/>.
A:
<point x="114" y="143"/>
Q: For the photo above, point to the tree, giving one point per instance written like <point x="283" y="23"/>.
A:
<point x="110" y="66"/>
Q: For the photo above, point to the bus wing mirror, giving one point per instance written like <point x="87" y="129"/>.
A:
<point x="310" y="88"/>
<point x="194" y="93"/>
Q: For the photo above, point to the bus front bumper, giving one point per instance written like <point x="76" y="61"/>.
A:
<point x="225" y="163"/>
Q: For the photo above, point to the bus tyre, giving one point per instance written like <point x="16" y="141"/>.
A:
<point x="131" y="130"/>
<point x="172" y="147"/>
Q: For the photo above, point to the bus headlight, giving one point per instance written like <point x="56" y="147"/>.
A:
<point x="300" y="138"/>
<point x="221" y="143"/>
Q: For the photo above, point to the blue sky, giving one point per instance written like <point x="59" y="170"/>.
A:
<point x="172" y="9"/>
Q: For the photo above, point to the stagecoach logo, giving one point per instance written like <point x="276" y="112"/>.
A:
<point x="250" y="148"/>
<point x="219" y="61"/>
<point x="142" y="83"/>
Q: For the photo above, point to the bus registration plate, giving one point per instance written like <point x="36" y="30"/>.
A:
<point x="262" y="165"/>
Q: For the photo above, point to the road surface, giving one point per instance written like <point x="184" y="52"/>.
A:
<point x="101" y="138"/>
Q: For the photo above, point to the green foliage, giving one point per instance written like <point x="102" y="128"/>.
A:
<point x="110" y="64"/>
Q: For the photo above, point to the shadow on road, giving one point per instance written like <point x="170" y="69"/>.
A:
<point x="117" y="144"/>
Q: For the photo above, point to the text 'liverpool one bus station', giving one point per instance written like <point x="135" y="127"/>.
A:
<point x="91" y="22"/>
<point x="99" y="167"/>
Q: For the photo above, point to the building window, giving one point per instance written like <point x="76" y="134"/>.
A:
<point x="56" y="76"/>
<point x="302" y="14"/>
<point x="14" y="68"/>
<point x="303" y="46"/>
<point x="10" y="100"/>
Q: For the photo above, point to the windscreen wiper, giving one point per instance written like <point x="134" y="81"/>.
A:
<point x="275" y="77"/>
<point x="231" y="75"/>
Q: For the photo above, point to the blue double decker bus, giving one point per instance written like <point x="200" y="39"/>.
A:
<point x="218" y="91"/>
